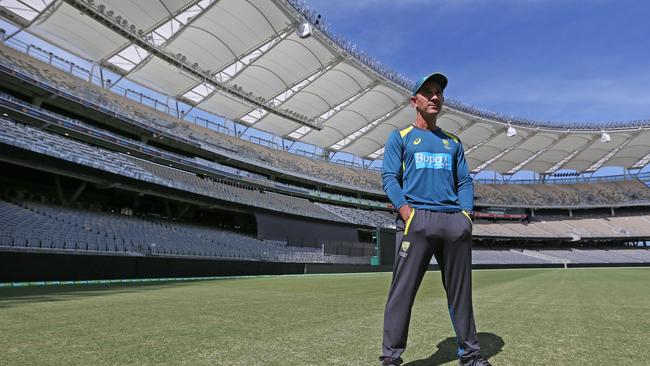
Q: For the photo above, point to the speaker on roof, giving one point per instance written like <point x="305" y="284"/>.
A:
<point x="304" y="30"/>
<point x="605" y="137"/>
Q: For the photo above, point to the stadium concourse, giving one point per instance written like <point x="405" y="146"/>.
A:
<point x="109" y="182"/>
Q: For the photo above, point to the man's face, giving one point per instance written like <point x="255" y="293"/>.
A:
<point x="429" y="99"/>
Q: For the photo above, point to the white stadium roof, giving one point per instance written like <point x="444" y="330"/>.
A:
<point x="244" y="60"/>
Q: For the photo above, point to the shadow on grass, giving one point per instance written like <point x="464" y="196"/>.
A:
<point x="491" y="344"/>
<point x="22" y="295"/>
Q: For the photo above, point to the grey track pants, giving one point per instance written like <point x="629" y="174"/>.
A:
<point x="447" y="235"/>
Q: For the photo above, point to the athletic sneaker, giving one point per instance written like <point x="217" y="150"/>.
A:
<point x="475" y="361"/>
<point x="389" y="361"/>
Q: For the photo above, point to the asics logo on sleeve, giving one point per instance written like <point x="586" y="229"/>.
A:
<point x="427" y="160"/>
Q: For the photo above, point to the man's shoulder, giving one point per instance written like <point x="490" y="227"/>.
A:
<point x="405" y="131"/>
<point x="397" y="136"/>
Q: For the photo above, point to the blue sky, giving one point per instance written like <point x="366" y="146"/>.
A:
<point x="557" y="60"/>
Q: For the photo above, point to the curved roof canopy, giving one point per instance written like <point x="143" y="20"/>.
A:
<point x="244" y="60"/>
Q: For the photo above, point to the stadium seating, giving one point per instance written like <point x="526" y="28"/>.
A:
<point x="562" y="195"/>
<point x="564" y="227"/>
<point x="233" y="191"/>
<point x="362" y="217"/>
<point x="42" y="226"/>
<point x="220" y="169"/>
<point x="54" y="145"/>
<point x="504" y="256"/>
<point x="559" y="256"/>
<point x="36" y="140"/>
<point x="28" y="224"/>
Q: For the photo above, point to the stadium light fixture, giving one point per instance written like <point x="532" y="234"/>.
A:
<point x="304" y="30"/>
<point x="605" y="137"/>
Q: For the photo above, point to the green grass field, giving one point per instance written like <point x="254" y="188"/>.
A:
<point x="524" y="317"/>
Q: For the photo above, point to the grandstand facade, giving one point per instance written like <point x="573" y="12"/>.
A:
<point x="95" y="173"/>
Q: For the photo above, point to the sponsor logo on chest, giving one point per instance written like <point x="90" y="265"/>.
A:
<point x="445" y="143"/>
<point x="427" y="160"/>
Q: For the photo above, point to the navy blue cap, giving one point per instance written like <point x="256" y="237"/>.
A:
<point x="436" y="76"/>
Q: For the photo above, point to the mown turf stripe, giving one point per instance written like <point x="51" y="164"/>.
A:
<point x="208" y="278"/>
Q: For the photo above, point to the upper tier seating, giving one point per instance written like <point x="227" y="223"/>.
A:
<point x="54" y="145"/>
<point x="562" y="195"/>
<point x="564" y="227"/>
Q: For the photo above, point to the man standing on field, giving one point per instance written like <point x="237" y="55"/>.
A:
<point x="426" y="178"/>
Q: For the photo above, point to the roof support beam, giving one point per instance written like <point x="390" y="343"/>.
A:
<point x="531" y="158"/>
<point x="26" y="12"/>
<point x="487" y="139"/>
<point x="19" y="20"/>
<point x="320" y="120"/>
<point x="147" y="33"/>
<point x="611" y="154"/>
<point x="367" y="128"/>
<point x="376" y="154"/>
<point x="563" y="162"/>
<point x="255" y="115"/>
<point x="535" y="155"/>
<point x="497" y="156"/>
<point x="203" y="90"/>
<point x="183" y="65"/>
<point x="236" y="67"/>
<point x="642" y="163"/>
